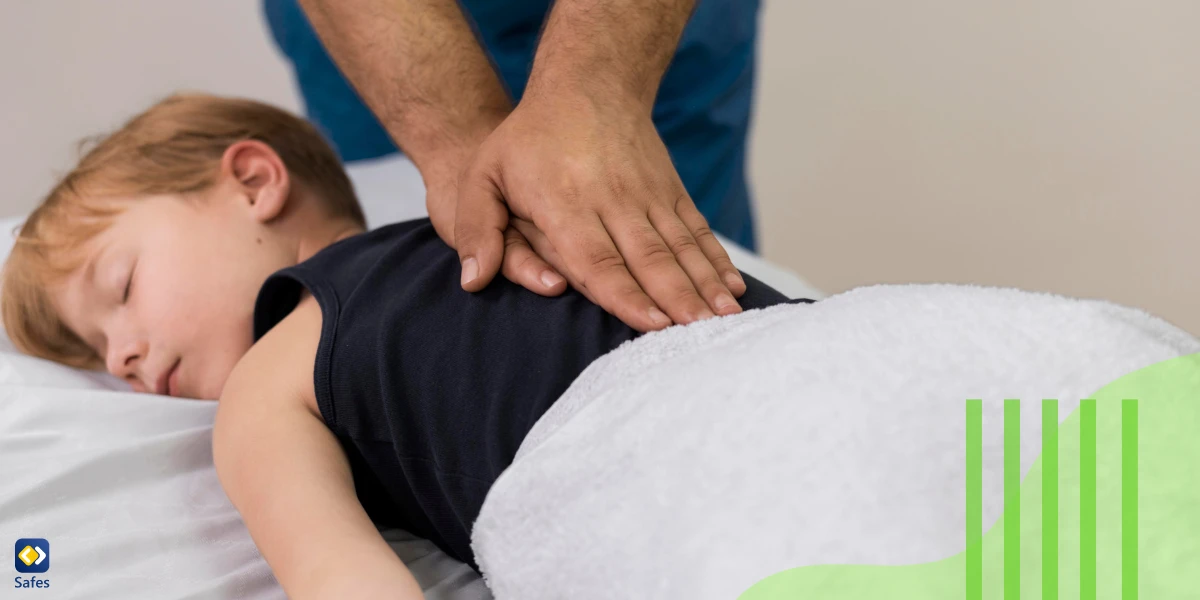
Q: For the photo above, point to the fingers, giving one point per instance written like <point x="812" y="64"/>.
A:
<point x="653" y="262"/>
<point x="540" y="244"/>
<point x="480" y="220"/>
<point x="694" y="262"/>
<point x="710" y="245"/>
<point x="523" y="266"/>
<point x="596" y="263"/>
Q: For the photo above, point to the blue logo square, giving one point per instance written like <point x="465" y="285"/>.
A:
<point x="31" y="555"/>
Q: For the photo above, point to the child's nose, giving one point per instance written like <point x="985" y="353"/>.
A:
<point x="123" y="359"/>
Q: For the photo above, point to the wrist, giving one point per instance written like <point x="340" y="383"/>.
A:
<point x="571" y="86"/>
<point x="441" y="146"/>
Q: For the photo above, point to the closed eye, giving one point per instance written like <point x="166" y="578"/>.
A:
<point x="128" y="285"/>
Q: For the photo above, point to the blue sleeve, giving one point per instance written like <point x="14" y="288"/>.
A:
<point x="702" y="110"/>
<point x="329" y="100"/>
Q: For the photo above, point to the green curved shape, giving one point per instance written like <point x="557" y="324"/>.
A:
<point x="1166" y="431"/>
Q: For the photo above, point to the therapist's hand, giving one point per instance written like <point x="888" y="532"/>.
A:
<point x="521" y="264"/>
<point x="421" y="70"/>
<point x="596" y="180"/>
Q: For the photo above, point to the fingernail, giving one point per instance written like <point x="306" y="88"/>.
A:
<point x="733" y="279"/>
<point x="704" y="314"/>
<point x="725" y="302"/>
<point x="550" y="279"/>
<point x="658" y="317"/>
<point x="470" y="270"/>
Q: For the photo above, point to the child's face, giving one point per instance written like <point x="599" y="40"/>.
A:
<point x="167" y="294"/>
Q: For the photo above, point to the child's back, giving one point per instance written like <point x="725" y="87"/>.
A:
<point x="430" y="389"/>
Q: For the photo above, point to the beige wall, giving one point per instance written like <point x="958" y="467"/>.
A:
<point x="1050" y="146"/>
<point x="72" y="68"/>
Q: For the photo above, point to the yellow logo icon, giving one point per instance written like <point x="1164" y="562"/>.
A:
<point x="32" y="555"/>
<point x="28" y="555"/>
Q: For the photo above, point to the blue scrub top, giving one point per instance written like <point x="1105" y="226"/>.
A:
<point x="702" y="110"/>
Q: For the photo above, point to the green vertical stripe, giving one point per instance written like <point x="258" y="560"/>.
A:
<point x="1087" y="500"/>
<point x="1012" y="499"/>
<point x="974" y="499"/>
<point x="1050" y="500"/>
<point x="1129" y="499"/>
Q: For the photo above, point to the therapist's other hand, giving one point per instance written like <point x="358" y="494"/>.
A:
<point x="596" y="179"/>
<point x="522" y="265"/>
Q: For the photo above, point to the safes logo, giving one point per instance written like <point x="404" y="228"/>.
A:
<point x="31" y="555"/>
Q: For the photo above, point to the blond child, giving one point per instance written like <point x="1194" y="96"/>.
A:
<point x="213" y="248"/>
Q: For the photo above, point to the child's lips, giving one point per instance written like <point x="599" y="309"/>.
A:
<point x="167" y="383"/>
<point x="173" y="381"/>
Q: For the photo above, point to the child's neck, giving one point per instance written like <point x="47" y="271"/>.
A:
<point x="312" y="244"/>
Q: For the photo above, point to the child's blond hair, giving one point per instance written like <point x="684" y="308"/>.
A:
<point x="174" y="147"/>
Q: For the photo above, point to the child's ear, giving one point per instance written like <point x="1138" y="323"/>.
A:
<point x="260" y="175"/>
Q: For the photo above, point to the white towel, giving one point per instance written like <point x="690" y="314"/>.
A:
<point x="696" y="461"/>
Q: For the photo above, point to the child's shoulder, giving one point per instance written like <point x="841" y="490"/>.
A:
<point x="278" y="368"/>
<point x="379" y="264"/>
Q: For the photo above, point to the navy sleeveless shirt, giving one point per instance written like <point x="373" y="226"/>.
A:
<point x="430" y="389"/>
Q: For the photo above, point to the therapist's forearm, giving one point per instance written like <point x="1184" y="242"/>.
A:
<point x="608" y="50"/>
<point x="418" y="66"/>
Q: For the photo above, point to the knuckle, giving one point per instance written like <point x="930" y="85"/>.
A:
<point x="657" y="254"/>
<point x="710" y="284"/>
<point x="703" y="233"/>
<point x="464" y="238"/>
<point x="619" y="289"/>
<point x="682" y="200"/>
<point x="617" y="186"/>
<point x="682" y="243"/>
<point x="627" y="195"/>
<point x="600" y="262"/>
<point x="527" y="261"/>
<point x="723" y="264"/>
<point x="513" y="240"/>
<point x="605" y="260"/>
<point x="574" y="176"/>
<point x="686" y="295"/>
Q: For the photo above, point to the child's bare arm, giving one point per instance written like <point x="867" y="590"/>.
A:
<point x="288" y="477"/>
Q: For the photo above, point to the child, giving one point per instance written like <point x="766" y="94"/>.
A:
<point x="213" y="248"/>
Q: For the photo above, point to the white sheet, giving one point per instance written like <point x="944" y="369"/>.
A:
<point x="122" y="484"/>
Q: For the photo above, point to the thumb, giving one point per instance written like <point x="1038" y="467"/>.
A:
<point x="479" y="223"/>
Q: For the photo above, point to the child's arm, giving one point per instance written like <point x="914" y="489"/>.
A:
<point x="288" y="477"/>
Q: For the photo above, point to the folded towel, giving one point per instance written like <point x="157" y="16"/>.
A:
<point x="696" y="461"/>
